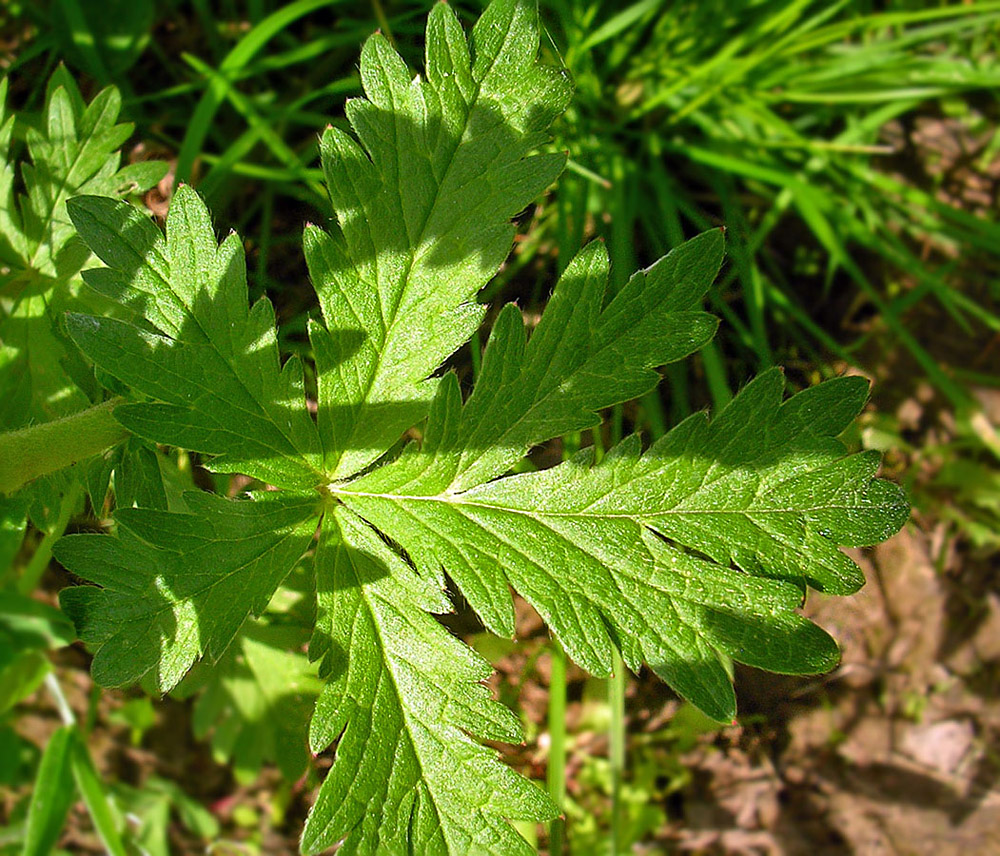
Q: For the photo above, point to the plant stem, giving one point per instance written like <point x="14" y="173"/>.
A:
<point x="556" y="775"/>
<point x="65" y="711"/>
<point x="42" y="449"/>
<point x="616" y="701"/>
<point x="557" y="746"/>
<point x="616" y="752"/>
<point x="40" y="560"/>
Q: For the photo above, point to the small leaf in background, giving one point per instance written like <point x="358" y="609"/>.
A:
<point x="255" y="703"/>
<point x="76" y="150"/>
<point x="153" y="805"/>
<point x="20" y="677"/>
<point x="138" y="715"/>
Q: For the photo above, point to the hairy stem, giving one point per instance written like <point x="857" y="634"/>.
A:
<point x="42" y="449"/>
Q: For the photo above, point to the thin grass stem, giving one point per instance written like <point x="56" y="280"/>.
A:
<point x="556" y="774"/>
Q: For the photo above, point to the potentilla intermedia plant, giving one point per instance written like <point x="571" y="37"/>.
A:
<point x="684" y="555"/>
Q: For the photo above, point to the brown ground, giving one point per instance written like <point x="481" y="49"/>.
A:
<point x="893" y="753"/>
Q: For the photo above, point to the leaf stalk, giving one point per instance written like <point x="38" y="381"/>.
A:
<point x="39" y="450"/>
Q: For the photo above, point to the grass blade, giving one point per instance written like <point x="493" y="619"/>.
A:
<point x="53" y="794"/>
<point x="100" y="809"/>
<point x="239" y="56"/>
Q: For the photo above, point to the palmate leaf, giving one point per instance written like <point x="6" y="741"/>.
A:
<point x="212" y="364"/>
<point x="638" y="550"/>
<point x="403" y="696"/>
<point x="692" y="552"/>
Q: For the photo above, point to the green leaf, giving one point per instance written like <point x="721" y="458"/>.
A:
<point x="104" y="38"/>
<point x="29" y="625"/>
<point x="176" y="587"/>
<point x="106" y="819"/>
<point x="27" y="630"/>
<point x="152" y="805"/>
<point x="212" y="366"/>
<point x="75" y="149"/>
<point x="403" y="696"/>
<point x="579" y="358"/>
<point x="257" y="702"/>
<point x="32" y="374"/>
<point x="423" y="199"/>
<point x="676" y="555"/>
<point x="686" y="555"/>
<point x="20" y="676"/>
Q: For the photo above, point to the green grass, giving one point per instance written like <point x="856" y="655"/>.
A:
<point x="767" y="117"/>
